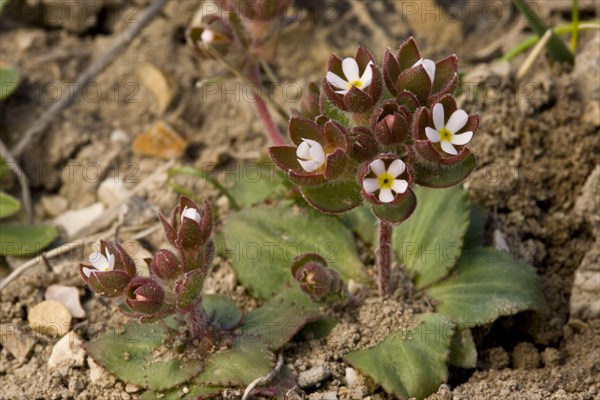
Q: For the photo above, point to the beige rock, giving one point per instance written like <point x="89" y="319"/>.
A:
<point x="49" y="318"/>
<point x="111" y="191"/>
<point x="67" y="296"/>
<point x="75" y="220"/>
<point x="53" y="205"/>
<point x="585" y="297"/>
<point x="67" y="352"/>
<point x="587" y="205"/>
<point x="15" y="341"/>
<point x="96" y="371"/>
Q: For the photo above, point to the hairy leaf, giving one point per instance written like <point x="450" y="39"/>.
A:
<point x="21" y="240"/>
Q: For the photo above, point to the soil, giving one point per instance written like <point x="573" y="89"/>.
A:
<point x="537" y="145"/>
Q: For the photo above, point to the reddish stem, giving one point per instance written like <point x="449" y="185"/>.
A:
<point x="384" y="259"/>
<point x="197" y="320"/>
<point x="263" y="111"/>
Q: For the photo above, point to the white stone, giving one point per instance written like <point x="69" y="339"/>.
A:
<point x="67" y="352"/>
<point x="53" y="205"/>
<point x="351" y="376"/>
<point x="75" y="220"/>
<point x="49" y="318"/>
<point x="68" y="296"/>
<point x="111" y="191"/>
<point x="119" y="136"/>
<point x="96" y="371"/>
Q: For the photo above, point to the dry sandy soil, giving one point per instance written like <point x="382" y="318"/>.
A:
<point x="537" y="146"/>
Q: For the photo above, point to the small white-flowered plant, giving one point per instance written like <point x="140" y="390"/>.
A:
<point x="445" y="132"/>
<point x="352" y="76"/>
<point x="429" y="66"/>
<point x="190" y="213"/>
<point x="207" y="36"/>
<point x="385" y="180"/>
<point x="100" y="262"/>
<point x="311" y="155"/>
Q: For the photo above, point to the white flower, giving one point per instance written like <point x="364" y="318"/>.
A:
<point x="100" y="263"/>
<point x="311" y="155"/>
<point x="190" y="213"/>
<point x="386" y="181"/>
<point x="429" y="66"/>
<point x="446" y="132"/>
<point x="207" y="36"/>
<point x="351" y="75"/>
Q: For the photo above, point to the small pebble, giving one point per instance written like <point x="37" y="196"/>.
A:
<point x="131" y="388"/>
<point x="15" y="341"/>
<point x="68" y="296"/>
<point x="351" y="376"/>
<point x="75" y="220"/>
<point x="49" y="318"/>
<point x="329" y="396"/>
<point x="111" y="191"/>
<point x="313" y="377"/>
<point x="67" y="352"/>
<point x="53" y="205"/>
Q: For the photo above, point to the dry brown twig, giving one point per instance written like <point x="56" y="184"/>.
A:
<point x="21" y="177"/>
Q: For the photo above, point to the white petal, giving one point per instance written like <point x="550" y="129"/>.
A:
<point x="350" y="68"/>
<point x="378" y="167"/>
<point x="429" y="66"/>
<point x="342" y="92"/>
<point x="207" y="36"/>
<point x="462" y="138"/>
<point x="309" y="166"/>
<point x="86" y="271"/>
<point x="386" y="195"/>
<point x="396" y="168"/>
<point x="303" y="151"/>
<point x="448" y="148"/>
<point x="367" y="76"/>
<point x="111" y="262"/>
<point x="432" y="135"/>
<point x="336" y="80"/>
<point x="370" y="185"/>
<point x="399" y="186"/>
<point x="190" y="213"/>
<point x="438" y="116"/>
<point x="457" y="121"/>
<point x="98" y="261"/>
<point x="317" y="154"/>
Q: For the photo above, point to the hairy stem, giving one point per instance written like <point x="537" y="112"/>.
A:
<point x="263" y="111"/>
<point x="384" y="259"/>
<point x="197" y="320"/>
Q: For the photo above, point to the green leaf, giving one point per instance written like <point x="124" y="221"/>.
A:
<point x="334" y="113"/>
<point x="9" y="80"/>
<point x="8" y="205"/>
<point x="362" y="222"/>
<point x="463" y="352"/>
<point x="262" y="242"/>
<point x="132" y="354"/>
<point x="430" y="241"/>
<point x="409" y="364"/>
<point x="476" y="231"/>
<point x="556" y="48"/>
<point x="397" y="213"/>
<point x="238" y="365"/>
<point x="334" y="198"/>
<point x="191" y="392"/>
<point x="21" y="240"/>
<point x="223" y="309"/>
<point x="488" y="284"/>
<point x="280" y="318"/>
<point x="253" y="183"/>
<point x="443" y="176"/>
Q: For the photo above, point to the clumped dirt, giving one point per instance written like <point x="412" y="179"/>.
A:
<point x="537" y="145"/>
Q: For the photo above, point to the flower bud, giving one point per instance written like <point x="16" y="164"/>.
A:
<point x="321" y="283"/>
<point x="110" y="271"/>
<point x="144" y="295"/>
<point x="391" y="123"/>
<point x="165" y="264"/>
<point x="213" y="32"/>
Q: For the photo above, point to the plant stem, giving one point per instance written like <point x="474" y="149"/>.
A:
<point x="197" y="320"/>
<point x="384" y="259"/>
<point x="263" y="111"/>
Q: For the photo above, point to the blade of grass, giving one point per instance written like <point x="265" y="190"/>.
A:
<point x="202" y="175"/>
<point x="575" y="22"/>
<point x="556" y="48"/>
<point x="559" y="30"/>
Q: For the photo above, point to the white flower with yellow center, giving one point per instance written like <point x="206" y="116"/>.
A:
<point x="351" y="76"/>
<point x="385" y="180"/>
<point x="311" y="155"/>
<point x="429" y="66"/>
<point x="190" y="213"/>
<point x="100" y="263"/>
<point x="445" y="132"/>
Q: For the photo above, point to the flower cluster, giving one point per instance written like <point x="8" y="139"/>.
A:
<point x="370" y="132"/>
<point x="241" y="27"/>
<point x="323" y="284"/>
<point x="175" y="280"/>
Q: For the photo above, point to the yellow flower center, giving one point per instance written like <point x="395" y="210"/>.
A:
<point x="385" y="181"/>
<point x="358" y="84"/>
<point x="445" y="135"/>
